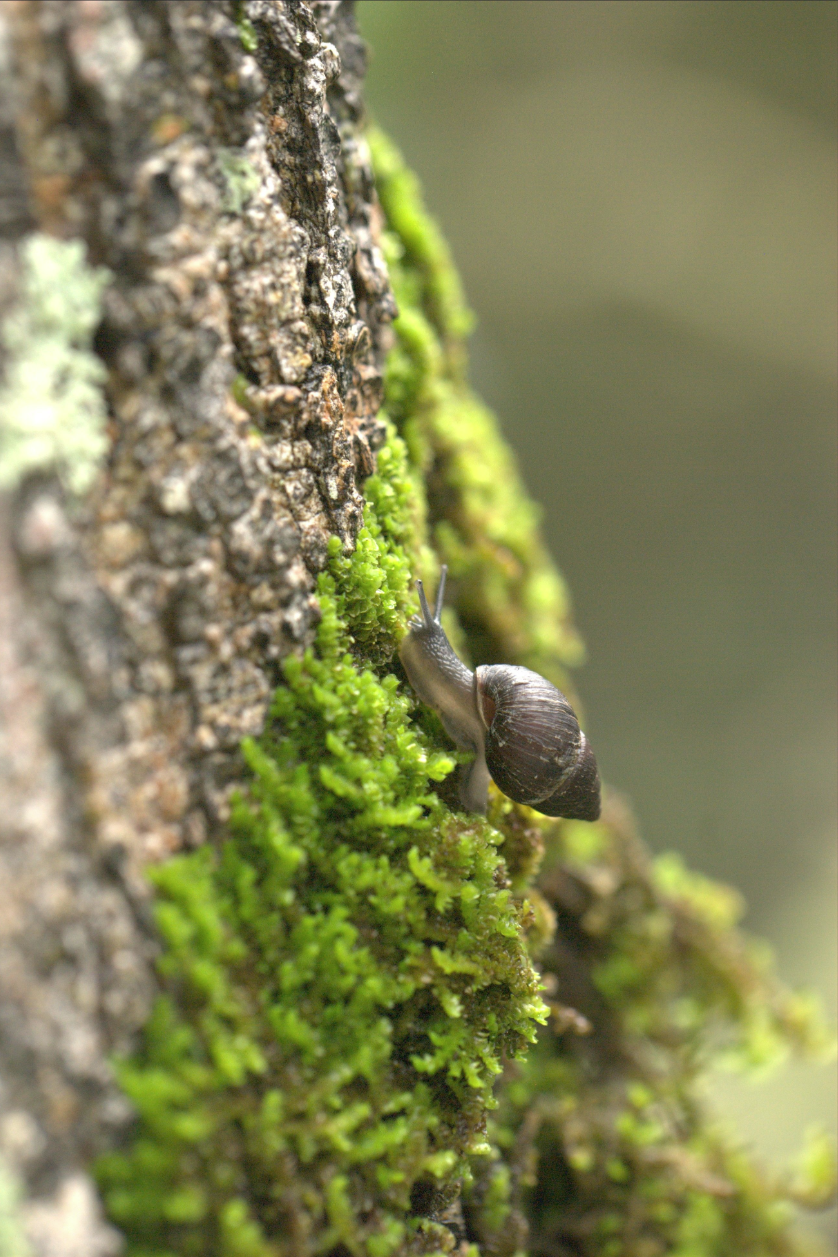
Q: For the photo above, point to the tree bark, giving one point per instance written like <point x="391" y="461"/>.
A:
<point x="202" y="505"/>
<point x="232" y="202"/>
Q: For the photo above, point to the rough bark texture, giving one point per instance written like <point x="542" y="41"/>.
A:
<point x="229" y="198"/>
<point x="203" y="505"/>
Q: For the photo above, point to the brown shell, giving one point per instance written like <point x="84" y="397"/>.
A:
<point x="535" y="751"/>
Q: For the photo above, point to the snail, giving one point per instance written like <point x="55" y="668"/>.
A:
<point x="522" y="729"/>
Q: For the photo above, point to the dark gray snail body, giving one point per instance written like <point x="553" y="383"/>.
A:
<point x="522" y="729"/>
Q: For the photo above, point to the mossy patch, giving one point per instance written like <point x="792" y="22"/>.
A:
<point x="374" y="588"/>
<point x="348" y="998"/>
<point x="343" y="979"/>
<point x="600" y="1145"/>
<point x="511" y="600"/>
<point x="600" y="1140"/>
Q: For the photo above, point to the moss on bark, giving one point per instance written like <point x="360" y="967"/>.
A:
<point x="338" y="1063"/>
<point x="350" y="1050"/>
<point x="343" y="979"/>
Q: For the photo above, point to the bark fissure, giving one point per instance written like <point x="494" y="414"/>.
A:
<point x="243" y="334"/>
<point x="199" y="691"/>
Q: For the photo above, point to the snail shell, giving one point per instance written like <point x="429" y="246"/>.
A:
<point x="523" y="730"/>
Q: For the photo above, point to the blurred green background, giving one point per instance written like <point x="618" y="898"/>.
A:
<point x="641" y="199"/>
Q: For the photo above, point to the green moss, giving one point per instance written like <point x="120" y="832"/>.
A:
<point x="348" y="998"/>
<point x="342" y="979"/>
<point x="605" y="1129"/>
<point x="815" y="1172"/>
<point x="599" y="1143"/>
<point x="247" y="33"/>
<point x="510" y="599"/>
<point x="52" y="408"/>
<point x="375" y="583"/>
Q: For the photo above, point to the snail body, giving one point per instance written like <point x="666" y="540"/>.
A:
<point x="523" y="731"/>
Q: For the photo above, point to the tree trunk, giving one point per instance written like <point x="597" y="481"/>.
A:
<point x="143" y="624"/>
<point x="197" y="314"/>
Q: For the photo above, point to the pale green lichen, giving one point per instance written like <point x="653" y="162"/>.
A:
<point x="13" y="1242"/>
<point x="52" y="407"/>
<point x="241" y="180"/>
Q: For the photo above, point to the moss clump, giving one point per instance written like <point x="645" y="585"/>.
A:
<point x="52" y="408"/>
<point x="602" y="1146"/>
<point x="374" y="583"/>
<point x="599" y="1145"/>
<point x="347" y="993"/>
<point x="510" y="599"/>
<point x="247" y="31"/>
<point x="343" y="979"/>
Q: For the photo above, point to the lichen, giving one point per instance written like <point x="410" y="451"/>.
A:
<point x="13" y="1242"/>
<point x="241" y="180"/>
<point x="52" y="408"/>
<point x="346" y="1035"/>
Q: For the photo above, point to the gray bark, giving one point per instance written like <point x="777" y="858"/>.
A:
<point x="243" y="330"/>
